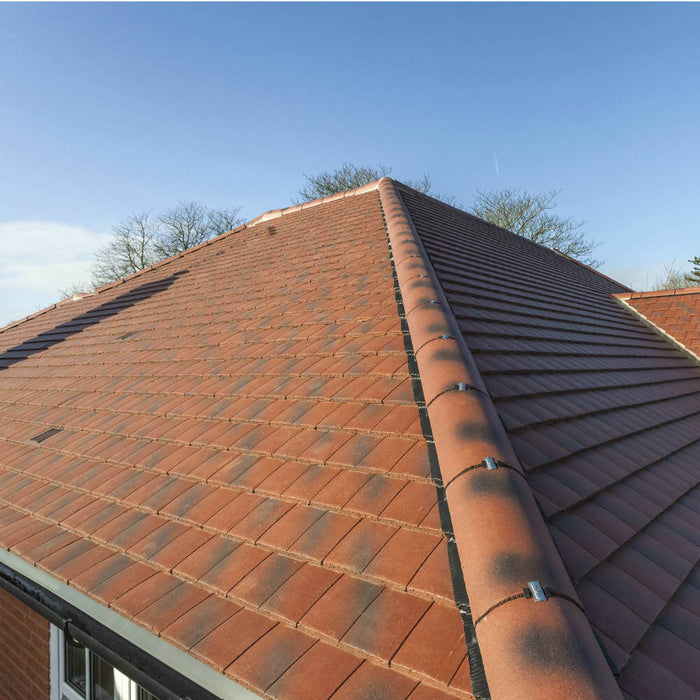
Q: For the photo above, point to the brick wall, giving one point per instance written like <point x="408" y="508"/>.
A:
<point x="24" y="651"/>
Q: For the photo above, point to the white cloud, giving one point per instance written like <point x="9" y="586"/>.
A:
<point x="37" y="259"/>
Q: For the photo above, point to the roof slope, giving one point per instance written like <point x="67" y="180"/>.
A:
<point x="604" y="415"/>
<point x="236" y="461"/>
<point x="239" y="450"/>
<point x="674" y="311"/>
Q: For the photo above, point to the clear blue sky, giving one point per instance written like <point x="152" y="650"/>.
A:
<point x="110" y="108"/>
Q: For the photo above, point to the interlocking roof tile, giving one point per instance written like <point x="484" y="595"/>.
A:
<point x="271" y="476"/>
<point x="601" y="411"/>
<point x="674" y="311"/>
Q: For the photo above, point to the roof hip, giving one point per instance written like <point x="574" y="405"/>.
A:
<point x="529" y="650"/>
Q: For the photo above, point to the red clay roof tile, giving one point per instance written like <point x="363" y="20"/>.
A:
<point x="557" y="355"/>
<point x="231" y="638"/>
<point x="269" y="443"/>
<point x="317" y="674"/>
<point x="675" y="311"/>
<point x="433" y="647"/>
<point x="267" y="659"/>
<point x="398" y="613"/>
<point x="372" y="681"/>
<point x="357" y="549"/>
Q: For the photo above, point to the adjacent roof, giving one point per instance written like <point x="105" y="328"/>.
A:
<point x="271" y="451"/>
<point x="674" y="311"/>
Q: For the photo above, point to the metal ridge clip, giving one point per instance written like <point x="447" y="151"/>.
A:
<point x="536" y="591"/>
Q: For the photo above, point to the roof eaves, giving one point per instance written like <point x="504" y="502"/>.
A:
<point x="528" y="649"/>
<point x="39" y="587"/>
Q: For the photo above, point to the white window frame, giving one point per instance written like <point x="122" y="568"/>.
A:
<point x="125" y="688"/>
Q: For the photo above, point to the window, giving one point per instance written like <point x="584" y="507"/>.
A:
<point x="80" y="674"/>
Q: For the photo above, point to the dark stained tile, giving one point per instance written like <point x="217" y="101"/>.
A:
<point x="319" y="539"/>
<point x="171" y="605"/>
<point x="255" y="588"/>
<point x="317" y="674"/>
<point x="204" y="558"/>
<point x="197" y="622"/>
<point x="359" y="547"/>
<point x="300" y="591"/>
<point x="260" y="519"/>
<point x="230" y="639"/>
<point x="338" y="609"/>
<point x="267" y="659"/>
<point x="123" y="581"/>
<point x="436" y="647"/>
<point x="375" y="495"/>
<point x="233" y="567"/>
<point x="433" y="577"/>
<point x="383" y="626"/>
<point x="371" y="681"/>
<point x="290" y="527"/>
<point x="145" y="593"/>
<point x="402" y="556"/>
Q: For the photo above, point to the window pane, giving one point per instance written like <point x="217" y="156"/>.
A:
<point x="142" y="694"/>
<point x="102" y="679"/>
<point x="75" y="666"/>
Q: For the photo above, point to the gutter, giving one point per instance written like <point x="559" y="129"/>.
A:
<point x="165" y="671"/>
<point x="534" y="637"/>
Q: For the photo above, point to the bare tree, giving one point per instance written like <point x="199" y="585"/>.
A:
<point x="673" y="278"/>
<point x="349" y="176"/>
<point x="223" y="220"/>
<point x="76" y="288"/>
<point x="142" y="240"/>
<point x="425" y="185"/>
<point x="133" y="247"/>
<point x="181" y="227"/>
<point x="529" y="215"/>
<point x="189" y="224"/>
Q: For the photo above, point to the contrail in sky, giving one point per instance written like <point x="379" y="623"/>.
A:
<point x="495" y="162"/>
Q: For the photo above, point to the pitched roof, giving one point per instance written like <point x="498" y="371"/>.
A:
<point x="270" y="451"/>
<point x="674" y="311"/>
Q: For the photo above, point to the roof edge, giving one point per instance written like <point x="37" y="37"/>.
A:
<point x="505" y="230"/>
<point x="263" y="218"/>
<point x="624" y="296"/>
<point x="625" y="301"/>
<point x="498" y="528"/>
<point x="590" y="268"/>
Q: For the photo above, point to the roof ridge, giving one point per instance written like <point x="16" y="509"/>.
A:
<point x="500" y="532"/>
<point x="277" y="213"/>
